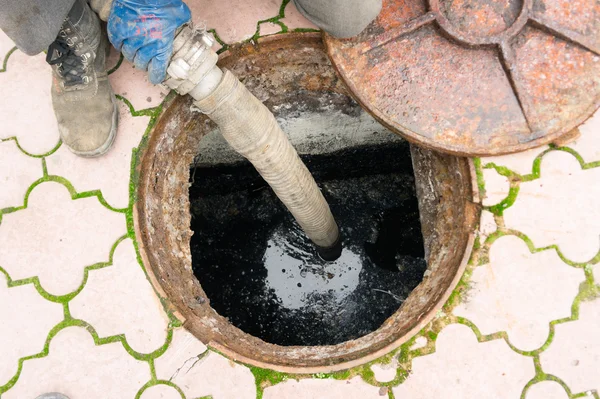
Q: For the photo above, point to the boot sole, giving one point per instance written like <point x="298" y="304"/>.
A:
<point x="103" y="149"/>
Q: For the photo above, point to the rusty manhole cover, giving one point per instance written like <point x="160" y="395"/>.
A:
<point x="477" y="77"/>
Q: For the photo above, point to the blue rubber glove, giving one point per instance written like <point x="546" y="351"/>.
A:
<point x="143" y="30"/>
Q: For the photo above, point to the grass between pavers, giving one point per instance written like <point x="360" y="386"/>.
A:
<point x="153" y="383"/>
<point x="275" y="20"/>
<point x="542" y="377"/>
<point x="71" y="322"/>
<point x="6" y="57"/>
<point x="515" y="179"/>
<point x="588" y="291"/>
<point x="265" y="378"/>
<point x="68" y="320"/>
<point x="117" y="65"/>
<point x="24" y="151"/>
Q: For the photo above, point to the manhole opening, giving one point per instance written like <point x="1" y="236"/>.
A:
<point x="431" y="194"/>
<point x="261" y="272"/>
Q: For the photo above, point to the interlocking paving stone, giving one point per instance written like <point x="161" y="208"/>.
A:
<point x="557" y="209"/>
<point x="420" y="342"/>
<point x="113" y="59"/>
<point x="160" y="392"/>
<point x="269" y="28"/>
<point x="497" y="187"/>
<point x="26" y="90"/>
<point x="77" y="368"/>
<point x="521" y="293"/>
<point x="546" y="390"/>
<point x="5" y="45"/>
<point x="487" y="224"/>
<point x="119" y="299"/>
<point x="561" y="207"/>
<point x="109" y="173"/>
<point x="183" y="352"/>
<point x="355" y="388"/>
<point x="385" y="372"/>
<point x="56" y="237"/>
<point x="463" y="368"/>
<point x="521" y="163"/>
<point x="574" y="355"/>
<point x="588" y="144"/>
<point x="234" y="20"/>
<point x="294" y="20"/>
<point x="17" y="172"/>
<point x="133" y="84"/>
<point x="26" y="319"/>
<point x="201" y="374"/>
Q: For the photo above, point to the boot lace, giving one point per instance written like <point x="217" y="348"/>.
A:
<point x="71" y="67"/>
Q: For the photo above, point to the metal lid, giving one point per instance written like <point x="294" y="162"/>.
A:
<point x="477" y="77"/>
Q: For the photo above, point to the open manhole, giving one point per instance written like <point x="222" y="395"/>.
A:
<point x="246" y="280"/>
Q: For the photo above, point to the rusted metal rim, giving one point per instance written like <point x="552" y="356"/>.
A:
<point x="277" y="68"/>
<point x="476" y="77"/>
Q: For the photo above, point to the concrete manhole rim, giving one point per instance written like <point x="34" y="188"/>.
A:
<point x="166" y="254"/>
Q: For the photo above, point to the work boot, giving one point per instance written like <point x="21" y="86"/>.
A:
<point x="83" y="101"/>
<point x="52" y="395"/>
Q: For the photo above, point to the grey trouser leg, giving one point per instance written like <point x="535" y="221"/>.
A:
<point x="340" y="18"/>
<point x="33" y="24"/>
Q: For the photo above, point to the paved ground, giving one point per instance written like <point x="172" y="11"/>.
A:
<point x="79" y="316"/>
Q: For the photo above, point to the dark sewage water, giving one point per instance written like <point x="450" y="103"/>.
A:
<point x="260" y="271"/>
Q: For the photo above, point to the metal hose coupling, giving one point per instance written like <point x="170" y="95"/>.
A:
<point x="251" y="129"/>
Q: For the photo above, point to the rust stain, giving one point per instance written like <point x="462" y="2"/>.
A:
<point x="477" y="77"/>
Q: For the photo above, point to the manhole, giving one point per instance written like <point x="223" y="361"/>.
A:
<point x="261" y="272"/>
<point x="292" y="75"/>
<point x="477" y="77"/>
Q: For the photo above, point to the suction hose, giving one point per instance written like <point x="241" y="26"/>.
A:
<point x="251" y="130"/>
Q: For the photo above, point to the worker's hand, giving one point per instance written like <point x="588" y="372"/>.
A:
<point x="143" y="30"/>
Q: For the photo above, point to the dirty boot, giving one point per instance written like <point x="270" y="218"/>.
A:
<point x="53" y="395"/>
<point x="84" y="103"/>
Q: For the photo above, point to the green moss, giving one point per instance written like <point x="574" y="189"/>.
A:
<point x="224" y="46"/>
<point x="70" y="322"/>
<point x="153" y="383"/>
<point x="65" y="299"/>
<point x="46" y="154"/>
<point x="340" y="375"/>
<point x="541" y="376"/>
<point x="154" y="114"/>
<point x="5" y="62"/>
<point x="113" y="69"/>
<point x="514" y="181"/>
<point x="264" y="378"/>
<point x="461" y="290"/>
<point x="480" y="179"/>
<point x="588" y="291"/>
<point x="305" y="30"/>
<point x="144" y="112"/>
